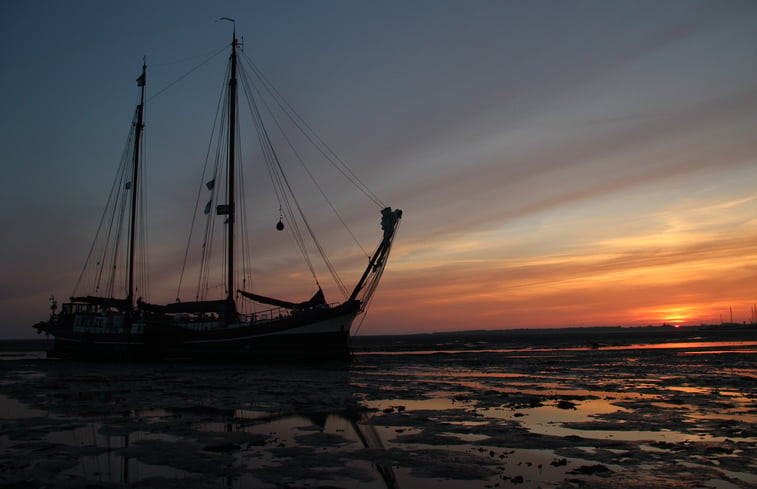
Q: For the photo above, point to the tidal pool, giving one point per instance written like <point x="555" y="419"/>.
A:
<point x="487" y="418"/>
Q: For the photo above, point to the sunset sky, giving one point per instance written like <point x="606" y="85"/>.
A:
<point x="560" y="163"/>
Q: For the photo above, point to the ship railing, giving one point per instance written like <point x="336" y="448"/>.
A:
<point x="278" y="314"/>
<point x="71" y="308"/>
<point x="266" y="316"/>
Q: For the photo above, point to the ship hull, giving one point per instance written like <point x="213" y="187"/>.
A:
<point x="73" y="345"/>
<point x="312" y="335"/>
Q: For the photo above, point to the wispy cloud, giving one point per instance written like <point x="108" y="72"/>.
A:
<point x="558" y="164"/>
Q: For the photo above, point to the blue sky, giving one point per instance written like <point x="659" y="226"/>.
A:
<point x="560" y="163"/>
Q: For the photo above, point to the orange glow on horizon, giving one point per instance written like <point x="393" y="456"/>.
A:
<point x="689" y="281"/>
<point x="676" y="315"/>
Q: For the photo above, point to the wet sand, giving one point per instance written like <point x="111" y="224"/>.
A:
<point x="429" y="411"/>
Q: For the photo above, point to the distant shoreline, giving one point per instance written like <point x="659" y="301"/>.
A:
<point x="503" y="338"/>
<point x="556" y="337"/>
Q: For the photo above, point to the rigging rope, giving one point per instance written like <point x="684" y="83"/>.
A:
<point x="200" y="191"/>
<point x="256" y="90"/>
<point x="102" y="244"/>
<point x="246" y="272"/>
<point x="206" y="60"/>
<point x="144" y="280"/>
<point x="302" y="161"/>
<point x="285" y="191"/>
<point x="108" y="272"/>
<point x="203" y="284"/>
<point x="281" y="183"/>
<point x="211" y="53"/>
<point x="369" y="290"/>
<point x="329" y="154"/>
<point x="277" y="178"/>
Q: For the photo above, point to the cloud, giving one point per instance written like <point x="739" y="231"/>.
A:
<point x="505" y="181"/>
<point x="622" y="280"/>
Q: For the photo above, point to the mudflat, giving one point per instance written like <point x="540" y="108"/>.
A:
<point x="485" y="410"/>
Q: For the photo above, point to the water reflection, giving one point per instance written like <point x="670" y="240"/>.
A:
<point x="527" y="419"/>
<point x="734" y="346"/>
<point x="249" y="449"/>
<point x="110" y="460"/>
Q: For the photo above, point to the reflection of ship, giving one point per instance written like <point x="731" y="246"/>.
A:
<point x="122" y="463"/>
<point x="365" y="432"/>
<point x="109" y="320"/>
<point x="371" y="439"/>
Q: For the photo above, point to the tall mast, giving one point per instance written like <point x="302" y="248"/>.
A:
<point x="231" y="169"/>
<point x="135" y="181"/>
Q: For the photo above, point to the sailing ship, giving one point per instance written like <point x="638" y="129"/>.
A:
<point x="106" y="325"/>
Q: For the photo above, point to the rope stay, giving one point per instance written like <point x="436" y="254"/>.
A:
<point x="258" y="90"/>
<point x="278" y="178"/>
<point x="203" y="280"/>
<point x="301" y="161"/>
<point x="312" y="136"/>
<point x="104" y="269"/>
<point x="263" y="99"/>
<point x="220" y="112"/>
<point x="284" y="191"/>
<point x="143" y="284"/>
<point x="182" y="77"/>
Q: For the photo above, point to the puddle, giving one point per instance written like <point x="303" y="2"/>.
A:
<point x="533" y="418"/>
<point x="13" y="409"/>
<point x="113" y="465"/>
<point x="22" y="355"/>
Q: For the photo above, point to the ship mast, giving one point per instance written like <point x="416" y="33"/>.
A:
<point x="134" y="183"/>
<point x="231" y="169"/>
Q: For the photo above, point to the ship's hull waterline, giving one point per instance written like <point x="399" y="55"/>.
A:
<point x="324" y="335"/>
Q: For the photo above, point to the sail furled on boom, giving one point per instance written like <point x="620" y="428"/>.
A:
<point x="317" y="300"/>
<point x="222" y="307"/>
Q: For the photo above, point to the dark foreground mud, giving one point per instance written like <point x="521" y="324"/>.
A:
<point x="666" y="416"/>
